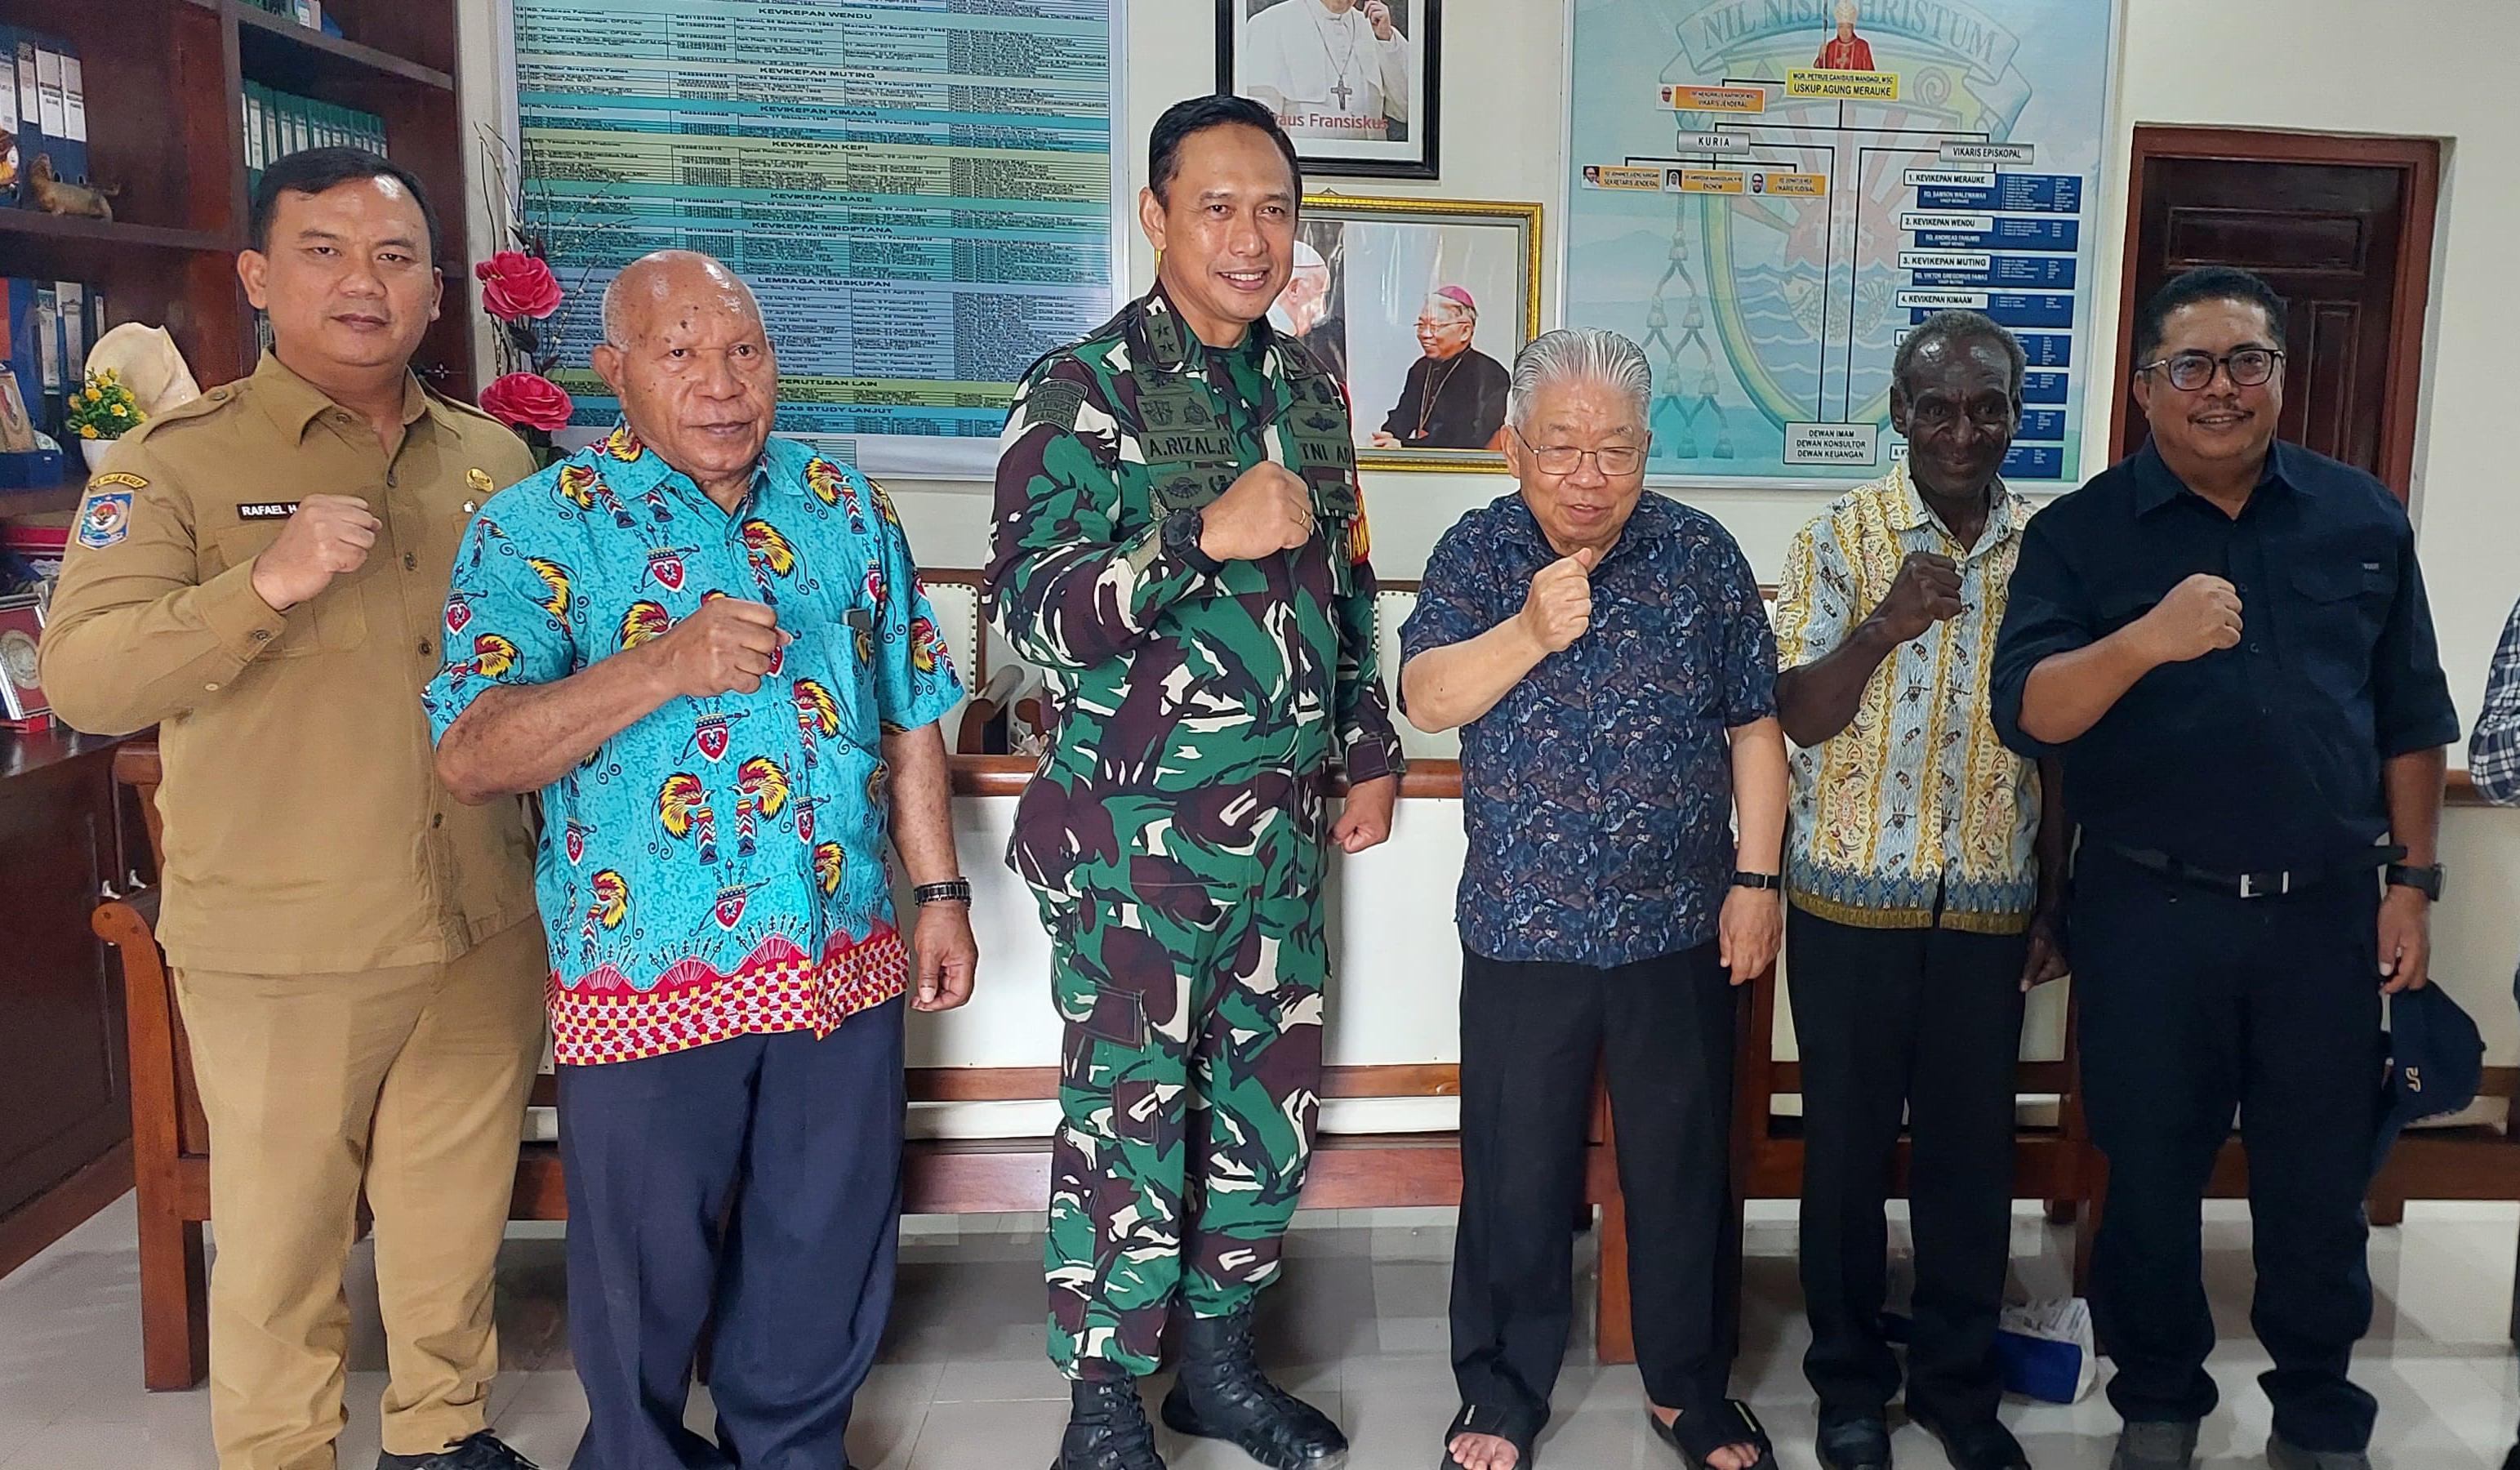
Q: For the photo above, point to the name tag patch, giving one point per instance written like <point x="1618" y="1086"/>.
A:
<point x="267" y="509"/>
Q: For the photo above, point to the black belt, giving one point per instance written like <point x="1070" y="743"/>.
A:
<point x="2250" y="886"/>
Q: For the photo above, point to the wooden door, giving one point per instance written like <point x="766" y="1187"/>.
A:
<point x="2342" y="229"/>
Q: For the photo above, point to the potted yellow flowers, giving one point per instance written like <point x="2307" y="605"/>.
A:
<point x="101" y="413"/>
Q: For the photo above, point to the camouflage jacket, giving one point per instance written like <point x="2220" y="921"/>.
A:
<point x="1169" y="673"/>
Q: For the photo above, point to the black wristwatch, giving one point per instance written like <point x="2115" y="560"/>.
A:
<point x="2424" y="880"/>
<point x="951" y="891"/>
<point x="1180" y="532"/>
<point x="1758" y="880"/>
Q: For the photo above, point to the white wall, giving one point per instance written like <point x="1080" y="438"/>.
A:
<point x="2430" y="70"/>
<point x="488" y="107"/>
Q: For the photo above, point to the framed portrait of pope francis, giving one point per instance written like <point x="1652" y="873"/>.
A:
<point x="1352" y="81"/>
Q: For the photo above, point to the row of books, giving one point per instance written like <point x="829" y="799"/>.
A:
<point x="51" y="324"/>
<point x="280" y="124"/>
<point x="43" y="113"/>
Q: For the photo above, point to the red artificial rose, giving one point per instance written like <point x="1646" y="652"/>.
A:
<point x="528" y="400"/>
<point x="516" y="286"/>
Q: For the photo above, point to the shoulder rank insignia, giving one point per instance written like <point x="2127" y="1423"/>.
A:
<point x="1054" y="401"/>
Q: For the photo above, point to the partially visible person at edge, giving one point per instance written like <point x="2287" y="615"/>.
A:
<point x="708" y="653"/>
<point x="1180" y="544"/>
<point x="2494" y="761"/>
<point x="2226" y="640"/>
<point x="1925" y="882"/>
<point x="1605" y="652"/>
<point x="2493" y="748"/>
<point x="259" y="573"/>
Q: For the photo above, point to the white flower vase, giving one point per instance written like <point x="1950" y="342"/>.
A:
<point x="95" y="450"/>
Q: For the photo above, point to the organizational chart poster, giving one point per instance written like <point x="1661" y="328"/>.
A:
<point x="1769" y="194"/>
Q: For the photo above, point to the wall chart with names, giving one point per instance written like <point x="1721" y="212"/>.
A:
<point x="923" y="192"/>
<point x="1769" y="194"/>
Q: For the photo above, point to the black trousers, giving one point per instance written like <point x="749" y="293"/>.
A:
<point x="2195" y="1005"/>
<point x="802" y="1138"/>
<point x="1920" y="1026"/>
<point x="1532" y="1034"/>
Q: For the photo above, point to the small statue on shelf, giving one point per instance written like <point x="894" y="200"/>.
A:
<point x="53" y="196"/>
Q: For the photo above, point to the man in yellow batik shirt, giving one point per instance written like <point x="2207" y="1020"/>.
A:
<point x="1924" y="881"/>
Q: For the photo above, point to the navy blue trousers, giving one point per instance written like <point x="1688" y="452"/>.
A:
<point x="2195" y="1005"/>
<point x="759" y="1176"/>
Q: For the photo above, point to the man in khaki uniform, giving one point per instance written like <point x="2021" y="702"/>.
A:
<point x="262" y="574"/>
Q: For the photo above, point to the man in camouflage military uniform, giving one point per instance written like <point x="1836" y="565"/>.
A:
<point x="1180" y="545"/>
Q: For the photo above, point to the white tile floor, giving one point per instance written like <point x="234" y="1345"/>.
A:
<point x="1358" y="1328"/>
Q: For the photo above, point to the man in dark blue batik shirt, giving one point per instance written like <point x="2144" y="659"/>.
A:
<point x="2226" y="640"/>
<point x="1606" y="656"/>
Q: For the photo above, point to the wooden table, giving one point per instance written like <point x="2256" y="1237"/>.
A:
<point x="65" y="1086"/>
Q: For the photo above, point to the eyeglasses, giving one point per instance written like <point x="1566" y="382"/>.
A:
<point x="2190" y="372"/>
<point x="1566" y="459"/>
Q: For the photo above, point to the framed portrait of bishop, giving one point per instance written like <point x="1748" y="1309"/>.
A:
<point x="1352" y="81"/>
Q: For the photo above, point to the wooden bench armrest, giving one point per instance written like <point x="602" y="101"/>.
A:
<point x="1012" y="687"/>
<point x="167" y="1119"/>
<point x="128" y="919"/>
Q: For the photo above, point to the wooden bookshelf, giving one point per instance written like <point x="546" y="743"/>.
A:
<point x="165" y="86"/>
<point x="275" y="49"/>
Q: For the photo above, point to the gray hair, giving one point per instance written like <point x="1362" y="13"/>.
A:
<point x="1955" y="329"/>
<point x="650" y="267"/>
<point x="1579" y="354"/>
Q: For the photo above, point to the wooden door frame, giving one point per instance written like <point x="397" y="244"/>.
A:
<point x="2419" y="158"/>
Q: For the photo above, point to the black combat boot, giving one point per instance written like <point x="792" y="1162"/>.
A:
<point x="480" y="1452"/>
<point x="1221" y="1394"/>
<point x="1106" y="1428"/>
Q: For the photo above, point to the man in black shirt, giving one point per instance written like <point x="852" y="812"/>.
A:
<point x="2227" y="641"/>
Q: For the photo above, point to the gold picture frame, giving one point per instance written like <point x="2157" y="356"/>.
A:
<point x="1371" y="272"/>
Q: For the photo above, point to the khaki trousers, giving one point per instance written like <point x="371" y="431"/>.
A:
<point x="410" y="1082"/>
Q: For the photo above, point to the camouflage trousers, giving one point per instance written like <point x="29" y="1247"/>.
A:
<point x="1190" y="1086"/>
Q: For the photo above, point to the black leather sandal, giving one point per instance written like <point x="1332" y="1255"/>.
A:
<point x="1697" y="1437"/>
<point x="1476" y="1419"/>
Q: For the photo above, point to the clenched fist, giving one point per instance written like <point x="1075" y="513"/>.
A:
<point x="1560" y="605"/>
<point x="328" y="536"/>
<point x="1266" y="510"/>
<point x="2200" y="616"/>
<point x="1926" y="591"/>
<point x="725" y="648"/>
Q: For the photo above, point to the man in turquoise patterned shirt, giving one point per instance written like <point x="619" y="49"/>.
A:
<point x="709" y="652"/>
